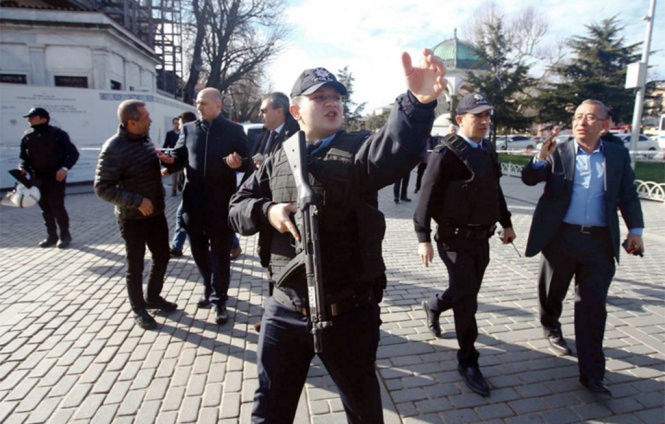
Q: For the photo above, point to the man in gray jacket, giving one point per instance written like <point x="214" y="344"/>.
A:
<point x="128" y="175"/>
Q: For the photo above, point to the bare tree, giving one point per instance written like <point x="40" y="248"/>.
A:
<point x="196" y="62"/>
<point x="243" y="98"/>
<point x="233" y="38"/>
<point x="524" y="33"/>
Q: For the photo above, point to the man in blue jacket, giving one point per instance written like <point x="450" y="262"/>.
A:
<point x="210" y="150"/>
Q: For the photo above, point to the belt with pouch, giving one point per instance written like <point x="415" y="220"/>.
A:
<point x="343" y="303"/>
<point x="448" y="229"/>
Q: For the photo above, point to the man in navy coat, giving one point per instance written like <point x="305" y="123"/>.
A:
<point x="210" y="150"/>
<point x="576" y="227"/>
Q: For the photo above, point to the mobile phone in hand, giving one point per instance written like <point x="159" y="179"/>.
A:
<point x="634" y="252"/>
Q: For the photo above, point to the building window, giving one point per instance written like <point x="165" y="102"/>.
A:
<point x="13" y="78"/>
<point x="70" y="81"/>
<point x="116" y="85"/>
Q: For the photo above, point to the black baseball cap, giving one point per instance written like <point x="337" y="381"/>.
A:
<point x="312" y="79"/>
<point x="37" y="111"/>
<point x="473" y="103"/>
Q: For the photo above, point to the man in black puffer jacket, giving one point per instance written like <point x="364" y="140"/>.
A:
<point x="128" y="175"/>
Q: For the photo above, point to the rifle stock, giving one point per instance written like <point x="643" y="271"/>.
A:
<point x="296" y="153"/>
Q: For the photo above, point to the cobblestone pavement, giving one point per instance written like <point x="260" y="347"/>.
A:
<point x="70" y="352"/>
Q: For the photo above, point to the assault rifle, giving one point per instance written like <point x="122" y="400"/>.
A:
<point x="308" y="216"/>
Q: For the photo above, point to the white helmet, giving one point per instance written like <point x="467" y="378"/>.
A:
<point x="24" y="197"/>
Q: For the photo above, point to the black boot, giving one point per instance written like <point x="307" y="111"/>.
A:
<point x="50" y="241"/>
<point x="65" y="240"/>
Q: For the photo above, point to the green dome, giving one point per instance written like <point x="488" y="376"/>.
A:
<point x="457" y="54"/>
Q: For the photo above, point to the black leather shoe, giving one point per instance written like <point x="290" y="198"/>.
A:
<point x="474" y="380"/>
<point x="595" y="386"/>
<point x="396" y="200"/>
<point x="65" y="241"/>
<point x="220" y="314"/>
<point x="204" y="303"/>
<point x="161" y="304"/>
<point x="175" y="253"/>
<point x="559" y="343"/>
<point x="405" y="199"/>
<point x="48" y="242"/>
<point x="144" y="320"/>
<point x="432" y="320"/>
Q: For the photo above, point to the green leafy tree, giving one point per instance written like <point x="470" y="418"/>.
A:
<point x="506" y="83"/>
<point x="596" y="70"/>
<point x="352" y="111"/>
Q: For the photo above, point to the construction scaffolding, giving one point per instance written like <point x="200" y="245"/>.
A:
<point x="167" y="43"/>
<point x="158" y="23"/>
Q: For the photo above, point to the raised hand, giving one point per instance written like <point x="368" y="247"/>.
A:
<point x="425" y="81"/>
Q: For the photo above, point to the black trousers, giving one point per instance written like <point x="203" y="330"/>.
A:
<point x="211" y="254"/>
<point x="466" y="261"/>
<point x="419" y="174"/>
<point x="589" y="259"/>
<point x="139" y="233"/>
<point x="52" y="203"/>
<point x="404" y="186"/>
<point x="284" y="353"/>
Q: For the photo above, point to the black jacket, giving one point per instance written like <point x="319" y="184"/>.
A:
<point x="443" y="167"/>
<point x="290" y="127"/>
<point x="171" y="139"/>
<point x="376" y="161"/>
<point x="558" y="175"/>
<point x="209" y="183"/>
<point x="127" y="171"/>
<point x="45" y="149"/>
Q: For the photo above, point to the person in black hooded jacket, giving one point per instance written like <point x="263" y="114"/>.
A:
<point x="47" y="154"/>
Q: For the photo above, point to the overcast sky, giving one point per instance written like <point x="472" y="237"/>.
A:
<point x="369" y="36"/>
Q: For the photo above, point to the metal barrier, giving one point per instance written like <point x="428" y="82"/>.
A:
<point x="651" y="190"/>
<point x="645" y="189"/>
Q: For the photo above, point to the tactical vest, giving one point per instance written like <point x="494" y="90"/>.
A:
<point x="350" y="225"/>
<point x="474" y="201"/>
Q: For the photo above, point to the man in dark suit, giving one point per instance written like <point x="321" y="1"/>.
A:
<point x="278" y="123"/>
<point x="575" y="226"/>
<point x="169" y="143"/>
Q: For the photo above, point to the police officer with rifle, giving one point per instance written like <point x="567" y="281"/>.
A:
<point x="344" y="171"/>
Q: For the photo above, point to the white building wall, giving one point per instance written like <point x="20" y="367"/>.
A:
<point x="74" y="44"/>
<point x="76" y="48"/>
<point x="88" y="116"/>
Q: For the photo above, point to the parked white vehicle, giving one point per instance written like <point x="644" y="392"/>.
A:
<point x="253" y="131"/>
<point x="515" y="142"/>
<point x="644" y="144"/>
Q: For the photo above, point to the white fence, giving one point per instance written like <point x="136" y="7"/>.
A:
<point x="645" y="189"/>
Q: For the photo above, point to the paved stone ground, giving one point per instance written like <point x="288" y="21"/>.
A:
<point x="70" y="353"/>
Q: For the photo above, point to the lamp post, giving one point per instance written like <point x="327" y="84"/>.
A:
<point x="637" y="71"/>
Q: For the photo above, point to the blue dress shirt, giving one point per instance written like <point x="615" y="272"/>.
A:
<point x="586" y="203"/>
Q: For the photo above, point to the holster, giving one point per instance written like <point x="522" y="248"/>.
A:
<point x="450" y="230"/>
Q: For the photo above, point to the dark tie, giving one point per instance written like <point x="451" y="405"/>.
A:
<point x="266" y="146"/>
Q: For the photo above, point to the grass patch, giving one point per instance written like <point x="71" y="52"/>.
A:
<point x="645" y="171"/>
